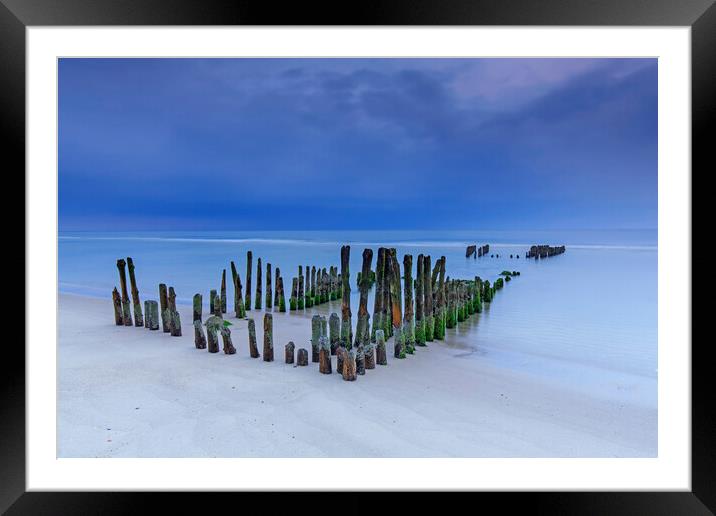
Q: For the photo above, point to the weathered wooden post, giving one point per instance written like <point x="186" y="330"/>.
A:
<point x="281" y="296"/>
<point x="117" y="301"/>
<point x="212" y="333"/>
<point x="324" y="353"/>
<point x="378" y="301"/>
<point x="269" y="295"/>
<point x="302" y="357"/>
<point x="229" y="348"/>
<point x="249" y="262"/>
<point x="199" y="339"/>
<point x="369" y="355"/>
<point x="381" y="356"/>
<point x="196" y="307"/>
<point x="340" y="357"/>
<point x="300" y="300"/>
<point x="163" y="306"/>
<point x="335" y="329"/>
<point x="408" y="317"/>
<point x="346" y="324"/>
<point x="268" y="338"/>
<point x="152" y="315"/>
<point x="359" y="359"/>
<point x="314" y="290"/>
<point x="258" y="284"/>
<point x="419" y="302"/>
<point x="276" y="302"/>
<point x="349" y="365"/>
<point x="174" y="320"/>
<point x="396" y="302"/>
<point x="387" y="298"/>
<point x="428" y="300"/>
<point x="238" y="293"/>
<point x="315" y="334"/>
<point x="212" y="298"/>
<point x="439" y="332"/>
<point x="146" y="313"/>
<point x="362" y="327"/>
<point x="138" y="320"/>
<point x="450" y="319"/>
<point x="289" y="352"/>
<point x="309" y="298"/>
<point x="293" y="301"/>
<point x="253" y="348"/>
<point x="223" y="291"/>
<point x="478" y="294"/>
<point x="126" y="311"/>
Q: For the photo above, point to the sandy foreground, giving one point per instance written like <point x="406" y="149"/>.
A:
<point x="132" y="392"/>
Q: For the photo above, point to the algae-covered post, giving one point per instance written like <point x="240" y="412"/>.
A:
<point x="253" y="348"/>
<point x="300" y="299"/>
<point x="269" y="295"/>
<point x="229" y="348"/>
<point x="146" y="314"/>
<point x="258" y="284"/>
<point x="362" y="336"/>
<point x="138" y="320"/>
<point x="408" y="316"/>
<point x="335" y="330"/>
<point x="324" y="353"/>
<point x="346" y="328"/>
<point x="277" y="273"/>
<point x="428" y="299"/>
<point x="117" y="301"/>
<point x="396" y="298"/>
<point x="289" y="352"/>
<point x="293" y="301"/>
<point x="439" y="332"/>
<point x="237" y="294"/>
<point x="126" y="311"/>
<point x="249" y="262"/>
<point x="196" y="308"/>
<point x="199" y="339"/>
<point x="223" y="291"/>
<point x="419" y="302"/>
<point x="309" y="298"/>
<point x="163" y="306"/>
<point x="212" y="303"/>
<point x="349" y="365"/>
<point x="212" y="335"/>
<point x="268" y="338"/>
<point x="174" y="320"/>
<point x="378" y="300"/>
<point x="315" y="334"/>
<point x="152" y="315"/>
<point x="314" y="290"/>
<point x="381" y="356"/>
<point x="281" y="296"/>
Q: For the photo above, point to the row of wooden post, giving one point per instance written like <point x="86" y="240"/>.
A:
<point x="544" y="251"/>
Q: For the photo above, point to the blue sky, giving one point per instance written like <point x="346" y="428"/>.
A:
<point x="289" y="144"/>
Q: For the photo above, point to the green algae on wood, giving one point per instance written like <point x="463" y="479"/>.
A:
<point x="268" y="338"/>
<point x="269" y="294"/>
<point x="427" y="299"/>
<point x="300" y="300"/>
<point x="408" y="315"/>
<point x="315" y="334"/>
<point x="420" y="302"/>
<point x="212" y="303"/>
<point x="277" y="274"/>
<point x="293" y="301"/>
<point x="281" y="297"/>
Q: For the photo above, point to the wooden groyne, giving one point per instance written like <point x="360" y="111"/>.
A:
<point x="544" y="251"/>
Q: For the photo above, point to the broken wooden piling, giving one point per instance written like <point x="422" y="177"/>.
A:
<point x="293" y="301"/>
<point x="229" y="348"/>
<point x="223" y="291"/>
<point x="163" y="306"/>
<point x="281" y="296"/>
<point x="419" y="302"/>
<point x="349" y="365"/>
<point x="302" y="359"/>
<point x="362" y="336"/>
<point x="289" y="352"/>
<point x="174" y="319"/>
<point x="346" y="325"/>
<point x="199" y="338"/>
<point x="212" y="333"/>
<point x="408" y="315"/>
<point x="269" y="295"/>
<point x="378" y="300"/>
<point x="396" y="302"/>
<point x="126" y="311"/>
<point x="300" y="300"/>
<point x="428" y="299"/>
<point x="253" y="348"/>
<point x="381" y="356"/>
<point x="152" y="314"/>
<point x="334" y="323"/>
<point x="268" y="338"/>
<point x="138" y="320"/>
<point x="324" y="349"/>
<point x="117" y="302"/>
<point x="315" y="334"/>
<point x="249" y="263"/>
<point x="212" y="298"/>
<point x="276" y="301"/>
<point x="259" y="271"/>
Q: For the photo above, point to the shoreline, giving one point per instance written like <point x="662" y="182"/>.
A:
<point x="132" y="392"/>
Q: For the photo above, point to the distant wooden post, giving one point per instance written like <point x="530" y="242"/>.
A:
<point x="315" y="334"/>
<point x="387" y="301"/>
<point x="378" y="301"/>
<point x="276" y="301"/>
<point x="212" y="298"/>
<point x="126" y="311"/>
<point x="439" y="332"/>
<point x="258" y="284"/>
<point x="419" y="302"/>
<point x="309" y="298"/>
<point x="164" y="307"/>
<point x="247" y="300"/>
<point x="281" y="296"/>
<point x="346" y="324"/>
<point x="152" y="315"/>
<point x="335" y="331"/>
<point x="253" y="348"/>
<point x="300" y="300"/>
<point x="146" y="313"/>
<point x="408" y="316"/>
<point x="269" y="294"/>
<point x="428" y="299"/>
<point x="289" y="352"/>
<point x="396" y="301"/>
<point x="314" y="290"/>
<point x="362" y="327"/>
<point x="349" y="365"/>
<point x="302" y="357"/>
<point x="174" y="320"/>
<point x="223" y="291"/>
<point x="196" y="307"/>
<point x="381" y="356"/>
<point x="293" y="301"/>
<point x="138" y="320"/>
<point x="268" y="338"/>
<point x="117" y="301"/>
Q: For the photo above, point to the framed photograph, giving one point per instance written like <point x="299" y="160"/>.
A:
<point x="425" y="248"/>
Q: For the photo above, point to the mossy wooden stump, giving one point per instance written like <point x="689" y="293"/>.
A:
<point x="324" y="356"/>
<point x="199" y="338"/>
<point x="369" y="355"/>
<point x="152" y="314"/>
<point x="302" y="359"/>
<point x="277" y="273"/>
<point x="349" y="366"/>
<point x="212" y="336"/>
<point x="290" y="347"/>
<point x="340" y="352"/>
<point x="253" y="348"/>
<point x="315" y="334"/>
<point x="117" y="302"/>
<point x="335" y="331"/>
<point x="229" y="348"/>
<point x="379" y="294"/>
<point x="268" y="338"/>
<point x="212" y="298"/>
<point x="293" y="301"/>
<point x="223" y="291"/>
<point x="281" y="296"/>
<point x="360" y="360"/>
<point x="381" y="357"/>
<point x="146" y="314"/>
<point x="419" y="302"/>
<point x="396" y="302"/>
<point x="174" y="319"/>
<point x="362" y="328"/>
<point x="269" y="294"/>
<point x="408" y="318"/>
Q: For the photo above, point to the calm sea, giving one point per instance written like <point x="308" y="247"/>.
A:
<point x="595" y="305"/>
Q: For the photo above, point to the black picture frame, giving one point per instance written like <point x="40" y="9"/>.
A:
<point x="700" y="15"/>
